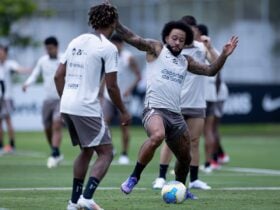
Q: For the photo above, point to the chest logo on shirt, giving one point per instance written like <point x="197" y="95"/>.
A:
<point x="78" y="52"/>
<point x="172" y="76"/>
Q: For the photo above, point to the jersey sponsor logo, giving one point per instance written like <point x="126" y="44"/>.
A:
<point x="78" y="52"/>
<point x="73" y="86"/>
<point x="76" y="65"/>
<point x="269" y="104"/>
<point x="172" y="76"/>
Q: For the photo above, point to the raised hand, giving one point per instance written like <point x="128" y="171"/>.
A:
<point x="230" y="46"/>
<point x="206" y="41"/>
<point x="125" y="119"/>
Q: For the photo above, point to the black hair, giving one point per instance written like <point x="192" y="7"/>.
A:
<point x="5" y="48"/>
<point x="168" y="27"/>
<point x="190" y="20"/>
<point x="51" y="40"/>
<point x="116" y="38"/>
<point x="203" y="29"/>
<point x="102" y="16"/>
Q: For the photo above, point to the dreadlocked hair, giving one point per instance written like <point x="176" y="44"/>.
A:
<point x="101" y="16"/>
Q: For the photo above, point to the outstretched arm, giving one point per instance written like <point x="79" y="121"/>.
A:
<point x="213" y="68"/>
<point x="148" y="45"/>
<point x="152" y="47"/>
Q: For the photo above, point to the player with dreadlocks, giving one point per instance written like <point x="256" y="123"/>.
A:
<point x="77" y="81"/>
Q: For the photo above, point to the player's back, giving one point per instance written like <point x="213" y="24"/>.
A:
<point x="85" y="57"/>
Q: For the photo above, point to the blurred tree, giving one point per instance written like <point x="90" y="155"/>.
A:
<point x="10" y="12"/>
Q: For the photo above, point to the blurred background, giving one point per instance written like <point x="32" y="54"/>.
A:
<point x="252" y="72"/>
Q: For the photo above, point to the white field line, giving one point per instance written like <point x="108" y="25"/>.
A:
<point x="59" y="189"/>
<point x="252" y="170"/>
<point x="70" y="163"/>
<point x="248" y="188"/>
<point x="137" y="188"/>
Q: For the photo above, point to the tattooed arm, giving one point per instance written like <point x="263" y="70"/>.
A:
<point x="152" y="47"/>
<point x="213" y="68"/>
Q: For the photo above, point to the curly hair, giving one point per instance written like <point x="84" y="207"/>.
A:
<point x="168" y="27"/>
<point x="190" y="20"/>
<point x="102" y="16"/>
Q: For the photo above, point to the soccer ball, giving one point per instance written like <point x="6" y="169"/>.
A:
<point x="173" y="192"/>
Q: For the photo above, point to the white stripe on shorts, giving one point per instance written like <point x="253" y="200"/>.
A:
<point x="96" y="141"/>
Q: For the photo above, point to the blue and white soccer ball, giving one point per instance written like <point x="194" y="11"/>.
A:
<point x="173" y="192"/>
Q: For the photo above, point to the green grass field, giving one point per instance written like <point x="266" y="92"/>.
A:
<point x="251" y="181"/>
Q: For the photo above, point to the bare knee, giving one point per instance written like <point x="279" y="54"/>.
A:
<point x="105" y="152"/>
<point x="156" y="139"/>
<point x="195" y="143"/>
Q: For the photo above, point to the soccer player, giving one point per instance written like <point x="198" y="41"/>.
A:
<point x="193" y="106"/>
<point x="7" y="67"/>
<point x="128" y="77"/>
<point x="78" y="82"/>
<point x="47" y="66"/>
<point x="167" y="68"/>
<point x="216" y="94"/>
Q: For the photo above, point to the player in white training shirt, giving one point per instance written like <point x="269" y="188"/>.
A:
<point x="216" y="93"/>
<point x="51" y="118"/>
<point x="78" y="83"/>
<point x="7" y="68"/>
<point x="167" y="68"/>
<point x="128" y="77"/>
<point x="193" y="107"/>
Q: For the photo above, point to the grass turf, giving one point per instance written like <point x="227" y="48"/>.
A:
<point x="27" y="184"/>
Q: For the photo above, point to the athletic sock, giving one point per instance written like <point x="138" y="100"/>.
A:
<point x="138" y="170"/>
<point x="215" y="157"/>
<point x="206" y="164"/>
<point x="55" y="151"/>
<point x="91" y="187"/>
<point x="12" y="142"/>
<point x="77" y="189"/>
<point x="220" y="151"/>
<point x="193" y="173"/>
<point x="163" y="170"/>
<point x="1" y="143"/>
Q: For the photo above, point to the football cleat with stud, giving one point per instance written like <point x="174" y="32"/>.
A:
<point x="190" y="196"/>
<point x="198" y="184"/>
<point x="123" y="160"/>
<point x="72" y="206"/>
<point x="158" y="183"/>
<point x="88" y="204"/>
<point x="54" y="161"/>
<point x="223" y="159"/>
<point x="129" y="184"/>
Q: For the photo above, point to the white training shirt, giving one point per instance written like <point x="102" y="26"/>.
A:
<point x="6" y="70"/>
<point x="126" y="76"/>
<point x="84" y="57"/>
<point x="47" y="67"/>
<point x="193" y="93"/>
<point x="211" y="94"/>
<point x="223" y="92"/>
<point x="165" y="80"/>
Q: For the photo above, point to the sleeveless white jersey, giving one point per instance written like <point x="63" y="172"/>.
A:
<point x="211" y="94"/>
<point x="6" y="70"/>
<point x="223" y="92"/>
<point x="210" y="89"/>
<point x="165" y="78"/>
<point x="193" y="93"/>
<point x="86" y="57"/>
<point x="47" y="67"/>
<point x="126" y="77"/>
